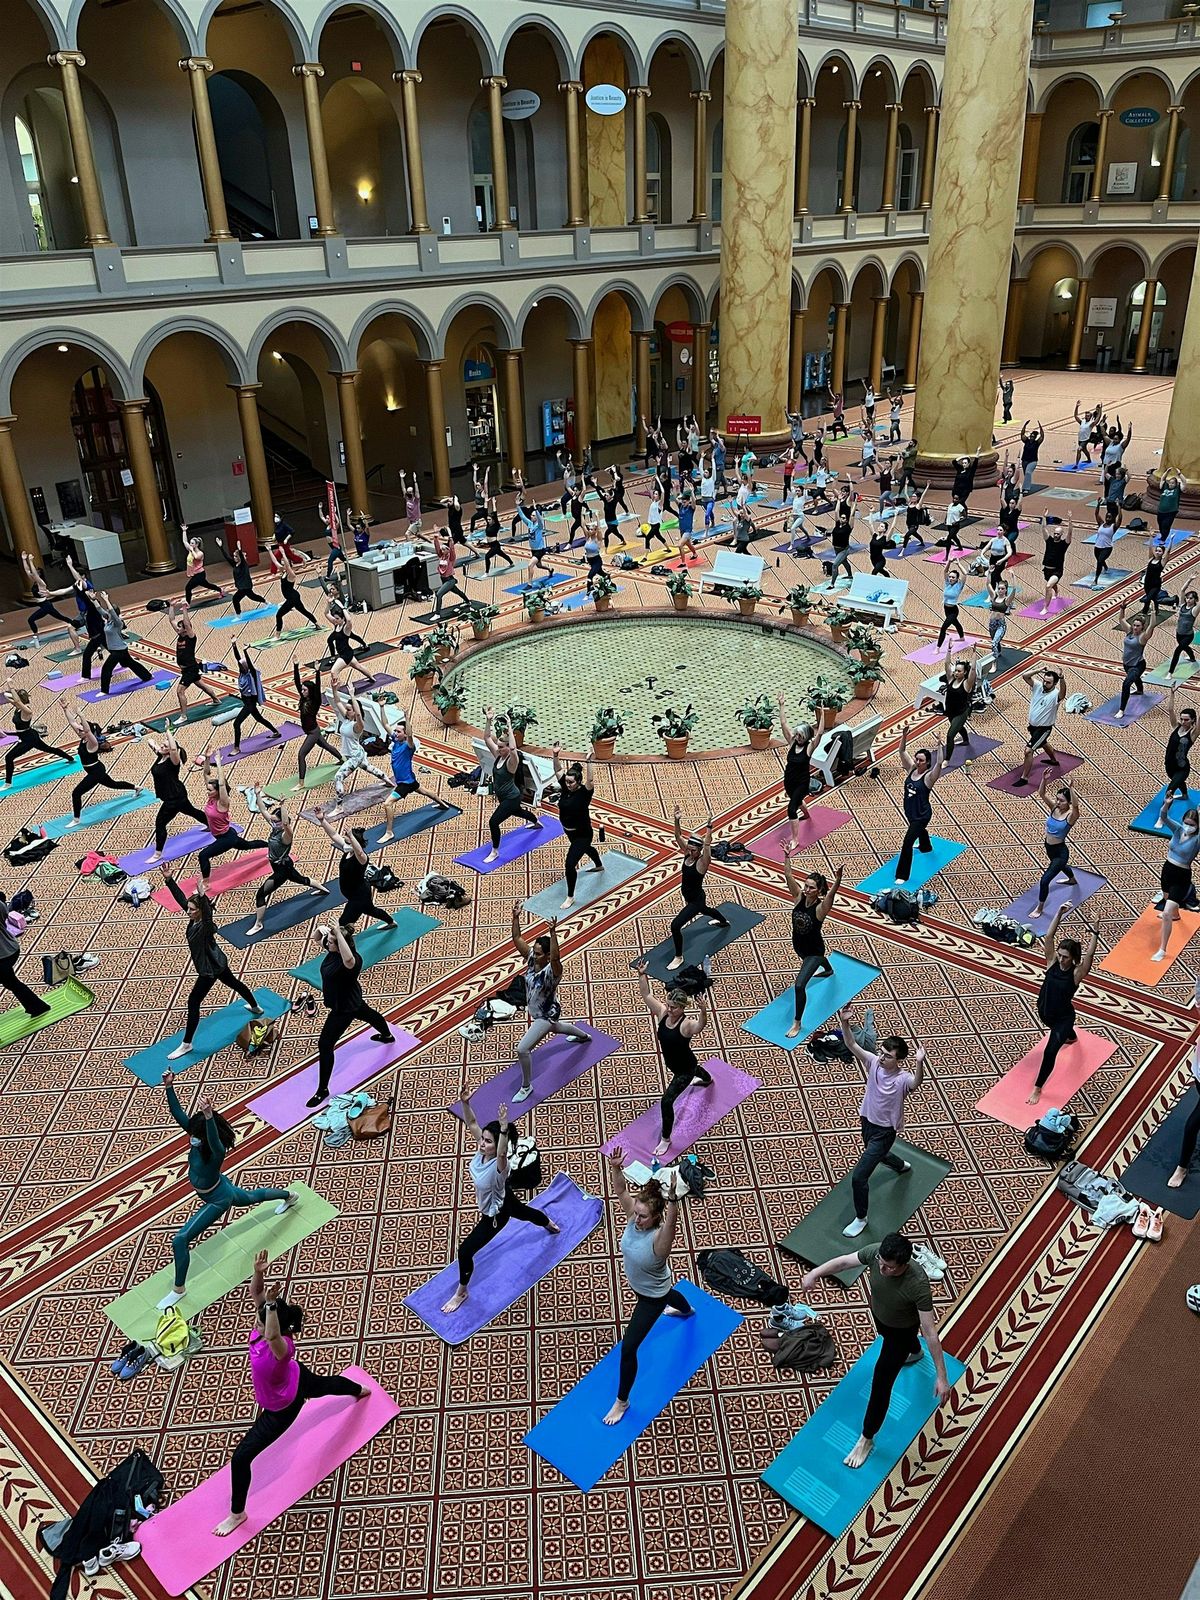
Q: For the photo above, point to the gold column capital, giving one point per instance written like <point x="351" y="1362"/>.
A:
<point x="516" y="351"/>
<point x="409" y="75"/>
<point x="933" y="111"/>
<point x="570" y="85"/>
<point x="244" y="388"/>
<point x="344" y="377"/>
<point x="807" y="100"/>
<point x="703" y="95"/>
<point x="138" y="403"/>
<point x="308" y="69"/>
<point x="7" y="424"/>
<point x="494" y="81"/>
<point x="1021" y="281"/>
<point x="894" y="105"/>
<point x="851" y="105"/>
<point x="919" y="294"/>
<point x="882" y="299"/>
<point x="585" y="342"/>
<point x="642" y="90"/>
<point x="66" y="58"/>
<point x="1174" y="111"/>
<point x="1104" y="114"/>
<point x="195" y="64"/>
<point x="434" y="363"/>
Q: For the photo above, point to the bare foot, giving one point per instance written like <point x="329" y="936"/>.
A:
<point x="793" y="1032"/>
<point x="616" y="1411"/>
<point x="1178" y="1178"/>
<point x="492" y="855"/>
<point x="232" y="1521"/>
<point x="553" y="1227"/>
<point x="567" y="903"/>
<point x="456" y="1299"/>
<point x="859" y="1454"/>
<point x="1035" y="1094"/>
<point x="661" y="1148"/>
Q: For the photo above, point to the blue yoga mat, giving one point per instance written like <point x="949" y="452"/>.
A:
<point x="375" y="944"/>
<point x="981" y="599"/>
<point x="924" y="867"/>
<point x="408" y="823"/>
<point x="574" y="1438"/>
<point x="1119" y="534"/>
<point x="1146" y="820"/>
<point x="34" y="777"/>
<point x="234" y="621"/>
<point x="547" y="582"/>
<point x="102" y="811"/>
<point x="808" y="1473"/>
<point x="216" y="1030"/>
<point x="576" y="602"/>
<point x="823" y="997"/>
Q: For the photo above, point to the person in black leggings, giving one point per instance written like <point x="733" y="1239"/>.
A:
<point x="185" y="658"/>
<point x="697" y="858"/>
<point x="217" y="818"/>
<point x="1191" y="1128"/>
<point x="95" y="774"/>
<point x="250" y="688"/>
<point x="675" y="1031"/>
<point x="1062" y="813"/>
<point x="506" y="766"/>
<point x="290" y="595"/>
<point x="116" y="645"/>
<point x="308" y="693"/>
<point x="958" y="679"/>
<point x="797" y="768"/>
<point x="1137" y="635"/>
<point x="493" y="549"/>
<point x="921" y="772"/>
<point x="342" y="993"/>
<point x="914" y="519"/>
<point x="243" y="580"/>
<point x="279" y="855"/>
<point x="1185" y="629"/>
<point x="1177" y="758"/>
<point x="1067" y="966"/>
<point x="197" y="577"/>
<point x="352" y="874"/>
<point x="10" y="952"/>
<point x="577" y="788"/>
<point x="93" y="622"/>
<point x="812" y="901"/>
<point x="169" y="789"/>
<point x="209" y="960"/>
<point x="29" y="734"/>
<point x="43" y="596"/>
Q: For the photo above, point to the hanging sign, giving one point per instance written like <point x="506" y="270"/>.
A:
<point x="477" y="372"/>
<point x="680" y="332"/>
<point x="1122" y="177"/>
<point x="517" y="104"/>
<point x="605" y="99"/>
<point x="1139" y="117"/>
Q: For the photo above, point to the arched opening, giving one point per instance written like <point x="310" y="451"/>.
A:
<point x="1079" y="163"/>
<point x="868" y="286"/>
<point x="534" y="64"/>
<point x="483" y="180"/>
<point x="877" y="92"/>
<point x="550" y="398"/>
<point x="190" y="374"/>
<point x="1137" y="311"/>
<point x="672" y="75"/>
<point x="918" y="93"/>
<point x="36" y="190"/>
<point x="455" y="146"/>
<point x="392" y="408"/>
<point x="1137" y="146"/>
<point x="658" y="167"/>
<point x="824" y="294"/>
<point x="607" y="141"/>
<point x="103" y="459"/>
<point x="255" y="159"/>
<point x="1060" y="315"/>
<point x="1069" y="109"/>
<point x="298" y="414"/>
<point x="612" y="378"/>
<point x="675" y="391"/>
<point x="366" y="158"/>
<point x="832" y="89"/>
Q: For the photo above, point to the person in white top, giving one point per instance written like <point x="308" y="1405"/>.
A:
<point x="1086" y="423"/>
<point x="1048" y="690"/>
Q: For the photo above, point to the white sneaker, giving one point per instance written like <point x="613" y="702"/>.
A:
<point x="854" y="1228"/>
<point x="169" y="1300"/>
<point x="523" y="1092"/>
<point x="113" y="1553"/>
<point x="287" y="1205"/>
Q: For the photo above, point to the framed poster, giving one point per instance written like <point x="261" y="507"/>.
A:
<point x="70" y="499"/>
<point x="1102" y="312"/>
<point x="1122" y="177"/>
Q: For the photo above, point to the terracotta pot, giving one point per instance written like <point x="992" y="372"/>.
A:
<point x="869" y="658"/>
<point x="825" y="718"/>
<point x="676" y="748"/>
<point x="680" y="601"/>
<point x="799" y="618"/>
<point x="536" y="613"/>
<point x="444" y="652"/>
<point x="838" y="635"/>
<point x="604" y="748"/>
<point x="760" y="738"/>
<point x="519" y="738"/>
<point x="865" y="689"/>
<point x="450" y="716"/>
<point x="746" y="607"/>
<point x="480" y="630"/>
<point x="424" y="681"/>
<point x="603" y="602"/>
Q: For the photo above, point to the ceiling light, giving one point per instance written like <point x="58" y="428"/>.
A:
<point x="276" y="356"/>
<point x="74" y="179"/>
<point x="63" y="348"/>
<point x="833" y="69"/>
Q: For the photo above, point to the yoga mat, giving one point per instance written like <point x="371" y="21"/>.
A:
<point x="1058" y="605"/>
<point x="289" y="907"/>
<point x="576" y="602"/>
<point x="286" y="635"/>
<point x="618" y="869"/>
<point x="34" y="777"/>
<point x="699" y="940"/>
<point x="314" y="778"/>
<point x="159" y="680"/>
<point x="102" y="811"/>
<point x="696" y="1111"/>
<point x="505" y="1270"/>
<point x="64" y="1000"/>
<point x="824" y="821"/>
<point x="924" y="866"/>
<point x="574" y="1438"/>
<point x="1138" y="705"/>
<point x="1079" y="466"/>
<point x="556" y="1063"/>
<point x="234" y="621"/>
<point x="1146" y="1175"/>
<point x="1130" y="956"/>
<point x="1120" y="534"/>
<point x="178" y="1544"/>
<point x="177" y="846"/>
<point x="201" y="711"/>
<point x="409" y="823"/>
<point x="932" y="655"/>
<point x="245" y="867"/>
<point x="517" y="839"/>
<point x="284" y="1104"/>
<point x="972" y="752"/>
<point x="1184" y="671"/>
<point x="1061" y="894"/>
<point x="551" y="581"/>
<point x="1007" y="1100"/>
<point x="1066" y="763"/>
<point x="809" y="1473"/>
<point x="1146" y="820"/>
<point x="222" y="1261"/>
<point x="1109" y="579"/>
<point x="822" y="999"/>
<point x="375" y="944"/>
<point x="261" y="741"/>
<point x="352" y="803"/>
<point x="895" y="553"/>
<point x="72" y="680"/>
<point x="894" y="1198"/>
<point x="216" y="1030"/>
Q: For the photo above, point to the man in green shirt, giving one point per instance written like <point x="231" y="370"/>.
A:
<point x="901" y="1303"/>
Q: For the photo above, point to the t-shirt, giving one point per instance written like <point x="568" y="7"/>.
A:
<point x="1043" y="707"/>
<point x="896" y="1302"/>
<point x="883" y="1098"/>
<point x="490" y="1183"/>
<point x="275" y="1382"/>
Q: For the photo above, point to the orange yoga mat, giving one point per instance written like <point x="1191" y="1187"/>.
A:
<point x="1130" y="956"/>
<point x="1006" y="1100"/>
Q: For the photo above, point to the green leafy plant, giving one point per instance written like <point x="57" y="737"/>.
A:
<point x="425" y="663"/>
<point x="675" y="724"/>
<point x="479" y="613"/>
<point x="823" y="696"/>
<point x="839" y="617"/>
<point x="678" y="583"/>
<point x="743" y="591"/>
<point x="604" y="585"/>
<point x="757" y="713"/>
<point x="606" y="724"/>
<point x="535" y="602"/>
<point x="442" y="636"/>
<point x="520" y="718"/>
<point x="799" y="597"/>
<point x="864" y="672"/>
<point x="864" y="639"/>
<point x="449" y="697"/>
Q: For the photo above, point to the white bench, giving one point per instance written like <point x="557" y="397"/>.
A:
<point x="541" y="768"/>
<point x="827" y="745"/>
<point x="933" y="690"/>
<point x="730" y="568"/>
<point x="881" y="597"/>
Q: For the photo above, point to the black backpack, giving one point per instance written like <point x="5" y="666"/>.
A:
<point x="729" y="1272"/>
<point x="1050" y="1145"/>
<point x="897" y="905"/>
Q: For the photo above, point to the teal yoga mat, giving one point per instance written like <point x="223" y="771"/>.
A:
<point x="375" y="944"/>
<point x="924" y="867"/>
<point x="822" y="998"/>
<point x="34" y="777"/>
<point x="103" y="811"/>
<point x="216" y="1030"/>
<point x="234" y="621"/>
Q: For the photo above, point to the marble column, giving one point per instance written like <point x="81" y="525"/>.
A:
<point x="575" y="215"/>
<point x="1142" y="349"/>
<point x="581" y="356"/>
<point x="18" y="513"/>
<point x="495" y="88"/>
<point x="889" y="156"/>
<point x="309" y="73"/>
<point x="356" y="470"/>
<point x="700" y="337"/>
<point x="758" y="192"/>
<point x="639" y="94"/>
<point x="91" y="199"/>
<point x="514" y="410"/>
<point x="971" y="234"/>
<point x="848" y="195"/>
<point x="257" y="478"/>
<point x="435" y="410"/>
<point x="1097" y="185"/>
<point x="879" y="313"/>
<point x="414" y="165"/>
<point x="916" y="306"/>
<point x="837" y="360"/>
<point x="1010" y="352"/>
<point x="145" y="485"/>
<point x="929" y="157"/>
<point x="804" y="155"/>
<point x="198" y="69"/>
<point x="796" y="364"/>
<point x="1078" y="323"/>
<point x="1030" y="151"/>
<point x="641" y="375"/>
<point x="700" y="99"/>
<point x="1167" y="172"/>
<point x="1181" y="445"/>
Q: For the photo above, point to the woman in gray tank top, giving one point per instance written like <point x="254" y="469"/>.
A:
<point x="1176" y="880"/>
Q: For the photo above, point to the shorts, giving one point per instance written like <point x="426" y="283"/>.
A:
<point x="189" y="677"/>
<point x="1039" y="736"/>
<point x="401" y="791"/>
<point x="1176" y="883"/>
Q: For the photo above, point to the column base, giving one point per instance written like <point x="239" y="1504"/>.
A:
<point x="1009" y="366"/>
<point x="217" y="238"/>
<point x="940" y="471"/>
<point x="98" y="241"/>
<point x="1139" y="369"/>
<point x="159" y="569"/>
<point x="420" y="227"/>
<point x="698" y="218"/>
<point x="1074" y="366"/>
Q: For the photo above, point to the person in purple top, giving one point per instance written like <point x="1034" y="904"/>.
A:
<point x="890" y="1080"/>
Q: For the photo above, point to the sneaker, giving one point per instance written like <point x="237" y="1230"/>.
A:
<point x="171" y="1298"/>
<point x="1141" y="1225"/>
<point x="523" y="1092"/>
<point x="124" y="1356"/>
<point x="287" y="1205"/>
<point x="112" y="1553"/>
<point x="179" y="1052"/>
<point x="854" y="1228"/>
<point x="137" y="1362"/>
<point x="905" y="1166"/>
<point x="1154" y="1231"/>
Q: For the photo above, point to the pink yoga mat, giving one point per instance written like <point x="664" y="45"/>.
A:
<point x="696" y="1111"/>
<point x="825" y="820"/>
<point x="1059" y="604"/>
<point x="931" y="655"/>
<point x="1006" y="1100"/>
<point x="244" y="868"/>
<point x="178" y="1544"/>
<point x="1066" y="763"/>
<point x="283" y="1104"/>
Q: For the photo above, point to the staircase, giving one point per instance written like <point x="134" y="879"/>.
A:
<point x="296" y="485"/>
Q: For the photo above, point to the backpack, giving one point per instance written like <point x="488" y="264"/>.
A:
<point x="172" y="1334"/>
<point x="259" y="1034"/>
<point x="442" y="891"/>
<point x="691" y="981"/>
<point x="729" y="1272"/>
<point x="1132" y="502"/>
<point x="1050" y="1144"/>
<point x="26" y="847"/>
<point x="731" y="850"/>
<point x="897" y="905"/>
<point x="110" y="872"/>
<point x="825" y="1047"/>
<point x="525" y="1164"/>
<point x="383" y="879"/>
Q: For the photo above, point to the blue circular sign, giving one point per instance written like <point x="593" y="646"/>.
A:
<point x="1139" y="117"/>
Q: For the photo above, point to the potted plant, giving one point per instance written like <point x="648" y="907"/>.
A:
<point x="746" y="596"/>
<point x="481" y="615"/>
<point x="449" y="698"/>
<point x="825" y="700"/>
<point x="866" y="678"/>
<point x="535" y="604"/>
<point x="607" y="728"/>
<point x="424" y="668"/>
<point x="757" y="716"/>
<point x="443" y="640"/>
<point x="679" y="589"/>
<point x="839" y="620"/>
<point x="604" y="586"/>
<point x="674" y="729"/>
<point x="518" y="719"/>
<point x="864" y="642"/>
<point x="799" y="599"/>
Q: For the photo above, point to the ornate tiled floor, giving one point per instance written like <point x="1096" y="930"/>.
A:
<point x="448" y="1501"/>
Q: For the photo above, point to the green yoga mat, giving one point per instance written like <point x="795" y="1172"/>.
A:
<point x="315" y="778"/>
<point x="894" y="1198"/>
<point x="34" y="777"/>
<point x="64" y="1000"/>
<point x="375" y="944"/>
<point x="223" y="1260"/>
<point x="195" y="713"/>
<point x="280" y="638"/>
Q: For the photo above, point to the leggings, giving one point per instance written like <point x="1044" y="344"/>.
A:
<point x="352" y="764"/>
<point x="27" y="741"/>
<point x="334" y="1026"/>
<point x="839" y="558"/>
<point x="877" y="1151"/>
<point x="311" y="742"/>
<point x="693" y="908"/>
<point x="46" y="608"/>
<point x="956" y="732"/>
<point x="899" y="1344"/>
<point x="997" y="628"/>
<point x="95" y="778"/>
<point x="502" y="813"/>
<point x="121" y="658"/>
<point x="1062" y="1031"/>
<point x="201" y="988"/>
<point x="21" y="992"/>
<point x="917" y="833"/>
<point x="95" y="642"/>
<point x="797" y="799"/>
<point x="949" y="620"/>
<point x="223" y="842"/>
<point x="494" y="552"/>
<point x="361" y="905"/>
<point x="680" y="1082"/>
<point x="250" y="708"/>
<point x="1102" y="555"/>
<point x="809" y="968"/>
<point x="645" y="1314"/>
<point x="334" y="557"/>
<point x="486" y="1229"/>
<point x="1191" y="1131"/>
<point x="448" y="586"/>
<point x="245" y="594"/>
<point x="580" y="846"/>
<point x="168" y="810"/>
<point x="218" y="1202"/>
<point x="293" y="603"/>
<point x="654" y="531"/>
<point x="1058" y="857"/>
<point x="272" y="1425"/>
<point x="199" y="580"/>
<point x="1177" y="783"/>
<point x="950" y="541"/>
<point x="281" y="872"/>
<point x="912" y="533"/>
<point x="1183" y="647"/>
<point x="1132" y="681"/>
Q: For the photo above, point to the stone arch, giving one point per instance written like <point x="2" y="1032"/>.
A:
<point x="56" y="34"/>
<point x="925" y="78"/>
<point x="292" y="27"/>
<point x="115" y="365"/>
<point x="1097" y="256"/>
<point x="882" y="62"/>
<point x="580" y="327"/>
<point x="1187" y="83"/>
<point x="1175" y="249"/>
<point x="556" y="38"/>
<point x="335" y="346"/>
<point x="911" y="260"/>
<point x="799" y="291"/>
<point x="870" y="264"/>
<point x="489" y="61"/>
<point x="837" y="275"/>
<point x="173" y="11"/>
<point x="634" y="64"/>
<point x="691" y="55"/>
<point x="1145" y="71"/>
<point x="236" y="363"/>
<point x="640" y="312"/>
<point x="691" y="291"/>
<point x="717" y="59"/>
<point x="379" y="13"/>
<point x="838" y="58"/>
<point x="1051" y="89"/>
<point x="429" y="348"/>
<point x="504" y="318"/>
<point x="1064" y="245"/>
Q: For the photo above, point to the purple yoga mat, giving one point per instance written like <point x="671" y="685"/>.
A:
<point x="978" y="747"/>
<point x="825" y="820"/>
<point x="1066" y="763"/>
<point x="556" y="1063"/>
<point x="1058" y="605"/>
<point x="1061" y="894"/>
<point x="283" y="1104"/>
<point x="508" y="1268"/>
<point x="72" y="680"/>
<point x="696" y="1111"/>
<point x="1138" y="705"/>
<point x="177" y="846"/>
<point x="157" y="680"/>
<point x="517" y="839"/>
<point x="931" y="655"/>
<point x="261" y="741"/>
<point x="895" y="552"/>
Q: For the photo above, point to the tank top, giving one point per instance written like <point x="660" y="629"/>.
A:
<point x="22" y="721"/>
<point x="691" y="882"/>
<point x="278" y="849"/>
<point x="797" y="772"/>
<point x="1054" y="555"/>
<point x="917" y="804"/>
<point x="807" y="938"/>
<point x="217" y="817"/>
<point x="1057" y="827"/>
<point x="958" y="699"/>
<point x="352" y="874"/>
<point x="340" y="988"/>
<point x="573" y="810"/>
<point x="646" y="1274"/>
<point x="1057" y="993"/>
<point x="88" y="758"/>
<point x="677" y="1053"/>
<point x="164" y="775"/>
<point x="1185" y="623"/>
<point x="504" y="784"/>
<point x="185" y="650"/>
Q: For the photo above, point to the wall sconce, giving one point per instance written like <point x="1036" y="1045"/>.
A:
<point x="275" y="356"/>
<point x="63" y="348"/>
<point x="364" y="191"/>
<point x="392" y="403"/>
<point x="1066" y="294"/>
<point x="74" y="177"/>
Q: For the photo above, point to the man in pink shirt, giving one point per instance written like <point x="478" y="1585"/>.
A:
<point x="890" y="1080"/>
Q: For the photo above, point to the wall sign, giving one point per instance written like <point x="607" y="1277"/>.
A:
<point x="1102" y="313"/>
<point x="1139" y="117"/>
<point x="680" y="332"/>
<point x="477" y="372"/>
<point x="605" y="99"/>
<point x="517" y="104"/>
<point x="1122" y="177"/>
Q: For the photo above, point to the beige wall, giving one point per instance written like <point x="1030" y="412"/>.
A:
<point x="190" y="376"/>
<point x="612" y="367"/>
<point x="604" y="138"/>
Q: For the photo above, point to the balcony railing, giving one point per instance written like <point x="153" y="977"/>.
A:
<point x="1122" y="40"/>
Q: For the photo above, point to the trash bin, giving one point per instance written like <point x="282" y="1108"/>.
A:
<point x="240" y="530"/>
